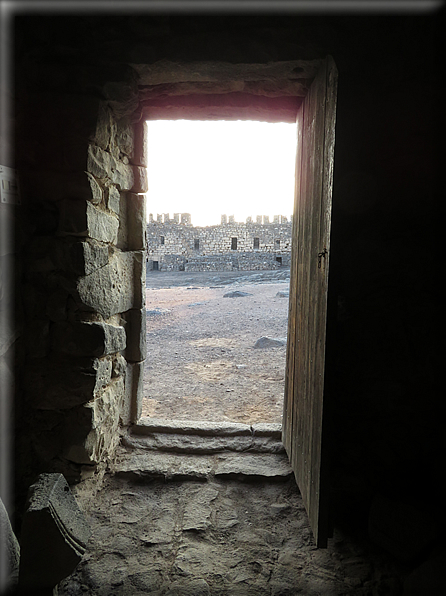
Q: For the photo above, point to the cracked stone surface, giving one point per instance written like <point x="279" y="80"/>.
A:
<point x="217" y="536"/>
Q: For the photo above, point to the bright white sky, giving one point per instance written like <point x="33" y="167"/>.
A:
<point x="239" y="168"/>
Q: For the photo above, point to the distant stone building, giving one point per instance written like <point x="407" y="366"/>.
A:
<point x="176" y="245"/>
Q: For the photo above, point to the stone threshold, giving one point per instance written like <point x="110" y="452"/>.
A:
<point x="146" y="426"/>
<point x="185" y="449"/>
<point x="141" y="465"/>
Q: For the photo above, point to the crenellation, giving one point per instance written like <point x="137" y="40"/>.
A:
<point x="227" y="246"/>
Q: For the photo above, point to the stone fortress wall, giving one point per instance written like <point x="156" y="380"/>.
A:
<point x="176" y="245"/>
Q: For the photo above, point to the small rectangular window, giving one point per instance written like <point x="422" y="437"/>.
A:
<point x="255" y="242"/>
<point x="196" y="244"/>
<point x="162" y="239"/>
<point x="234" y="244"/>
<point x="277" y="242"/>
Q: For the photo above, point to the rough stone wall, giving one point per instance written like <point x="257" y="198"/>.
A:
<point x="174" y="246"/>
<point x="83" y="273"/>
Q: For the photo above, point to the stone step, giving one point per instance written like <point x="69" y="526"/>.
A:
<point x="197" y="444"/>
<point x="138" y="464"/>
<point x="147" y="426"/>
<point x="192" y="437"/>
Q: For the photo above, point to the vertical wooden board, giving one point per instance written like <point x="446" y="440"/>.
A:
<point x="303" y="400"/>
<point x="291" y="339"/>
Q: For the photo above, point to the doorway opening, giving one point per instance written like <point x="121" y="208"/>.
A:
<point x="217" y="317"/>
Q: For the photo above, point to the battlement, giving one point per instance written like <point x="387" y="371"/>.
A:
<point x="163" y="218"/>
<point x="185" y="219"/>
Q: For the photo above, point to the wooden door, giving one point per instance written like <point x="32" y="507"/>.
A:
<point x="303" y="429"/>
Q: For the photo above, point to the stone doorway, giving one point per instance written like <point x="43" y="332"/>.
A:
<point x="217" y="338"/>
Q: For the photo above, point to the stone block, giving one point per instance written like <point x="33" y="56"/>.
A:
<point x="111" y="289"/>
<point x="265" y="429"/>
<point x="119" y="366"/>
<point x="83" y="338"/>
<point x="149" y="426"/>
<point x="133" y="401"/>
<point x="139" y="279"/>
<point x="100" y="162"/>
<point x="105" y="126"/>
<point x="54" y="535"/>
<point x="135" y="335"/>
<point x="58" y="384"/>
<point x="82" y="218"/>
<point x="105" y="166"/>
<point x="113" y="199"/>
<point x="140" y="156"/>
<point x="136" y="218"/>
<point x="123" y="232"/>
<point x="9" y="551"/>
<point x="123" y="138"/>
<point x="91" y="432"/>
<point x="81" y="257"/>
<point x="97" y="190"/>
<point x="140" y="181"/>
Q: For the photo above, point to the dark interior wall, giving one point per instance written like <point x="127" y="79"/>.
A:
<point x="384" y="367"/>
<point x="385" y="356"/>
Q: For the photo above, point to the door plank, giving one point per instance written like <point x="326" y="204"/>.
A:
<point x="303" y="400"/>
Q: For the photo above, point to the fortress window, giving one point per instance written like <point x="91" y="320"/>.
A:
<point x="162" y="239"/>
<point x="279" y="260"/>
<point x="234" y="244"/>
<point x="255" y="242"/>
<point x="277" y="242"/>
<point x="196" y="244"/>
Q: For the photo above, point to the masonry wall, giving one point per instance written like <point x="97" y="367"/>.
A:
<point x="385" y="392"/>
<point x="82" y="301"/>
<point x="178" y="247"/>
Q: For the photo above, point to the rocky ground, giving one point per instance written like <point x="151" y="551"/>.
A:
<point x="220" y="536"/>
<point x="204" y="362"/>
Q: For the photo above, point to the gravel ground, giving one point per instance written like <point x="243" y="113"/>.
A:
<point x="202" y="361"/>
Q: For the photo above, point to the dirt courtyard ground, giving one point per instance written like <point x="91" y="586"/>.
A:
<point x="201" y="361"/>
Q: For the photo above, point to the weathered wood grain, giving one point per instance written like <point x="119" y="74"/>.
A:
<point x="303" y="401"/>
